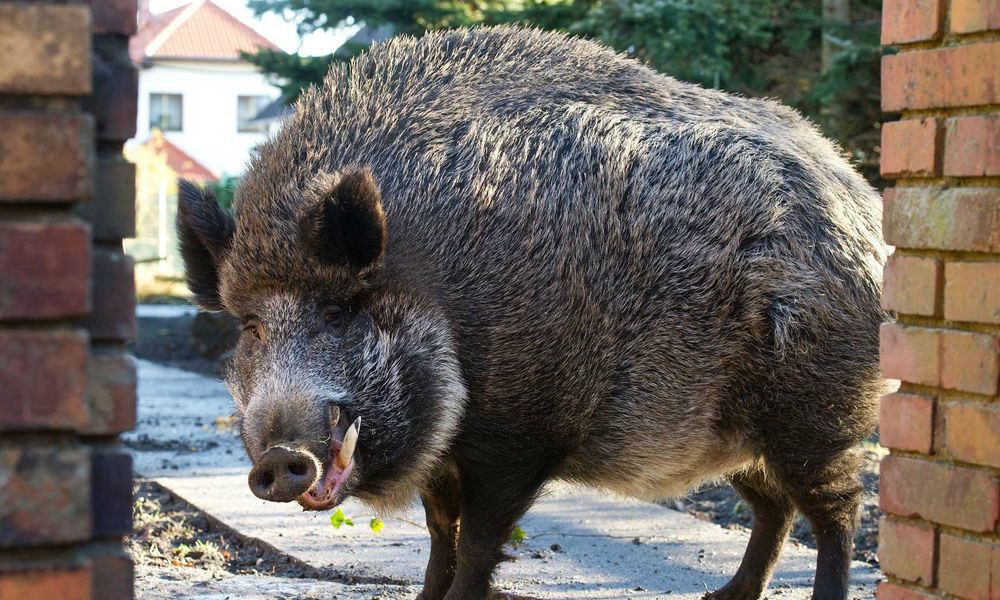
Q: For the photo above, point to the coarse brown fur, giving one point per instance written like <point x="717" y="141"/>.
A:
<point x="557" y="264"/>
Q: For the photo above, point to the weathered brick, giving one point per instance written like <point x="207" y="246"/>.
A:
<point x="972" y="292"/>
<point x="116" y="86"/>
<point x="113" y="16"/>
<point x="906" y="422"/>
<point x="43" y="377"/>
<point x="905" y="21"/>
<point x="972" y="147"/>
<point x="46" y="156"/>
<point x="906" y="551"/>
<point x="111" y="492"/>
<point x="44" y="269"/>
<point x="951" y="219"/>
<point x="111" y="393"/>
<point x="113" y="314"/>
<point x="111" y="210"/>
<point x="112" y="576"/>
<point x="972" y="433"/>
<point x="49" y="582"/>
<point x="910" y="353"/>
<point x="911" y="285"/>
<point x="45" y="49"/>
<point x="958" y="76"/>
<point x="970" y="362"/>
<point x="939" y="492"/>
<point x="909" y="148"/>
<point x="971" y="16"/>
<point x="44" y="495"/>
<point x="965" y="567"/>
<point x="891" y="591"/>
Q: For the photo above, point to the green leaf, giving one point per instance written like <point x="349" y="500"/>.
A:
<point x="348" y="522"/>
<point x="337" y="518"/>
<point x="376" y="524"/>
<point x="517" y="536"/>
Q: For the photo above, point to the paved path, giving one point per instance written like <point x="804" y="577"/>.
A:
<point x="580" y="544"/>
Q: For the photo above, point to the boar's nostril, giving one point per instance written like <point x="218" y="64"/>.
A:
<point x="282" y="474"/>
<point x="298" y="468"/>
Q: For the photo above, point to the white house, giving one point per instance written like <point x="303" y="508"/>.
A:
<point x="195" y="88"/>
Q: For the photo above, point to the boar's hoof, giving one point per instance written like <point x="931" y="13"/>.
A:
<point x="282" y="474"/>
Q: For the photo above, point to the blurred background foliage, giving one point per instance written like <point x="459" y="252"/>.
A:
<point x="820" y="56"/>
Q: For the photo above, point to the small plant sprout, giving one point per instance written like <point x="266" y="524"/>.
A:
<point x="338" y="518"/>
<point x="517" y="536"/>
<point x="376" y="524"/>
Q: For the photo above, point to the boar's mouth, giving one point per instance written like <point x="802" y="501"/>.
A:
<point x="330" y="488"/>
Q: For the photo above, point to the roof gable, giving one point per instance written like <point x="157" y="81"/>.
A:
<point x="201" y="30"/>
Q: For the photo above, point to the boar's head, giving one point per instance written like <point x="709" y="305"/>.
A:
<point x="344" y="379"/>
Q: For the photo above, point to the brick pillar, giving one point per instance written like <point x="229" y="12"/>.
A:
<point x="939" y="485"/>
<point x="67" y="386"/>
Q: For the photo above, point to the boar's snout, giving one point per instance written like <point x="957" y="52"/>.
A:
<point x="283" y="474"/>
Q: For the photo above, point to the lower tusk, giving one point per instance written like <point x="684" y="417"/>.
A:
<point x="350" y="441"/>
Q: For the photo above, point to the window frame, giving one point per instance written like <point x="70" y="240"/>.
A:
<point x="244" y="125"/>
<point x="165" y="103"/>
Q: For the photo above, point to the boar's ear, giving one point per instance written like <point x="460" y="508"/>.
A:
<point x="204" y="231"/>
<point x="343" y="221"/>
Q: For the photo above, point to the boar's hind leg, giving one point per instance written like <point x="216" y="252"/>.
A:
<point x="441" y="504"/>
<point x="492" y="502"/>
<point x="827" y="491"/>
<point x="773" y="513"/>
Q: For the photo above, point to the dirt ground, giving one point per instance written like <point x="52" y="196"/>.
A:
<point x="174" y="540"/>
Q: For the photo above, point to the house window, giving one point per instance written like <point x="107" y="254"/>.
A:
<point x="248" y="107"/>
<point x="165" y="112"/>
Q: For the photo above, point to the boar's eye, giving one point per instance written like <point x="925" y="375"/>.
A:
<point x="254" y="328"/>
<point x="335" y="317"/>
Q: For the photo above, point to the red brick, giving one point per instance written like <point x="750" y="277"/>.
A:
<point x="45" y="49"/>
<point x="114" y="16"/>
<point x="951" y="219"/>
<point x="972" y="292"/>
<point x="910" y="353"/>
<point x="939" y="492"/>
<point x="111" y="393"/>
<point x="959" y="76"/>
<point x="905" y="21"/>
<point x="906" y="551"/>
<point x="891" y="591"/>
<point x="44" y="495"/>
<point x="972" y="147"/>
<point x="964" y="567"/>
<point x="906" y="422"/>
<point x="972" y="433"/>
<point x="46" y="156"/>
<point x="995" y="571"/>
<point x="116" y="87"/>
<point x="970" y="362"/>
<point x="44" y="269"/>
<point x="112" y="576"/>
<point x="113" y="315"/>
<point x="909" y="148"/>
<point x="44" y="377"/>
<point x="911" y="285"/>
<point x="971" y="16"/>
<point x="51" y="583"/>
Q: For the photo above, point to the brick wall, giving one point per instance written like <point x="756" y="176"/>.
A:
<point x="939" y="486"/>
<point x="67" y="387"/>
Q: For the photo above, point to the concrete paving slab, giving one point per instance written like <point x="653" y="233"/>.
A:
<point x="581" y="543"/>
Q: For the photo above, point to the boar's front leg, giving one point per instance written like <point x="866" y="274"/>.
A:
<point x="493" y="499"/>
<point x="441" y="504"/>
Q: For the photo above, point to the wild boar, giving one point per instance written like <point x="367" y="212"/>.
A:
<point x="480" y="260"/>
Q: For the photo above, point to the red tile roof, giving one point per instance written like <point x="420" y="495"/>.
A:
<point x="197" y="31"/>
<point x="179" y="161"/>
